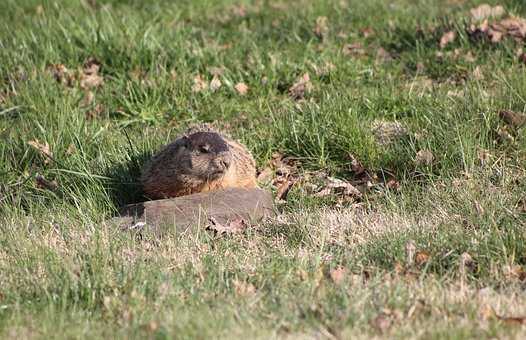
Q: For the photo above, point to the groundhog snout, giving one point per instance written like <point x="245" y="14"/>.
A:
<point x="222" y="162"/>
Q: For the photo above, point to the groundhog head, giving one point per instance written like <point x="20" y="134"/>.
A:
<point x="210" y="156"/>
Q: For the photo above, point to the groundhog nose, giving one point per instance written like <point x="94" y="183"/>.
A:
<point x="225" y="163"/>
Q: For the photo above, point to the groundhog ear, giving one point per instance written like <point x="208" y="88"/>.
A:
<point x="185" y="141"/>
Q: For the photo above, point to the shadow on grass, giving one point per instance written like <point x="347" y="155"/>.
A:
<point x="124" y="187"/>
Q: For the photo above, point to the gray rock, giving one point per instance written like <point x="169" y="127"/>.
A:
<point x="188" y="213"/>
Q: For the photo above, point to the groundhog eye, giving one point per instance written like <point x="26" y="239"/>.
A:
<point x="204" y="149"/>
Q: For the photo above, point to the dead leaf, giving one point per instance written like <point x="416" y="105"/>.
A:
<point x="284" y="189"/>
<point x="241" y="88"/>
<point x="514" y="119"/>
<point x="354" y="49"/>
<point x="71" y="149"/>
<point x="234" y="226"/>
<point x="483" y="156"/>
<point x="321" y="29"/>
<point x="301" y="87"/>
<point x="43" y="183"/>
<point x="486" y="312"/>
<point x="94" y="112"/>
<point x="504" y="135"/>
<point x="43" y="148"/>
<point x="514" y="272"/>
<point x="367" y="32"/>
<point x="447" y="38"/>
<point x="495" y="36"/>
<point x="422" y="257"/>
<point x="199" y="84"/>
<point x="469" y="57"/>
<point x="424" y="157"/>
<point x="356" y="166"/>
<point x="478" y="208"/>
<point x="485" y="11"/>
<point x="382" y="55"/>
<point x="466" y="263"/>
<point x="338" y="275"/>
<point x="343" y="187"/>
<point x="393" y="184"/>
<point x="381" y="323"/>
<point x="61" y="74"/>
<point x="512" y="321"/>
<point x="416" y="308"/>
<point x="87" y="99"/>
<point x="243" y="288"/>
<point x="410" y="251"/>
<point x="215" y="84"/>
<point x="477" y="73"/>
<point x="90" y="77"/>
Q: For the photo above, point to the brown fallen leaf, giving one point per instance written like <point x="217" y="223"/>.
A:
<point x="469" y="57"/>
<point x="301" y="87"/>
<point x="243" y="288"/>
<point x="43" y="148"/>
<point x="410" y="251"/>
<point x="422" y="257"/>
<point x="513" y="26"/>
<point x="356" y="166"/>
<point x="382" y="55"/>
<point x="283" y="190"/>
<point x="87" y="99"/>
<point x="199" y="84"/>
<point x="485" y="11"/>
<point x="90" y="77"/>
<point x="486" y="312"/>
<point x="338" y="275"/>
<point x="417" y="308"/>
<point x="354" y="49"/>
<point x="215" y="84"/>
<point x="514" y="119"/>
<point x="495" y="36"/>
<point x="43" y="183"/>
<point x="512" y="320"/>
<point x="424" y="157"/>
<point x="367" y="32"/>
<point x="484" y="156"/>
<point x="477" y="73"/>
<point x="61" y="74"/>
<point x="241" y="88"/>
<point x="321" y="29"/>
<point x="343" y="187"/>
<point x="234" y="226"/>
<point x="515" y="272"/>
<point x="381" y="322"/>
<point x="94" y="112"/>
<point x="71" y="149"/>
<point x="393" y="184"/>
<point x="504" y="135"/>
<point x="447" y="38"/>
<point x="466" y="264"/>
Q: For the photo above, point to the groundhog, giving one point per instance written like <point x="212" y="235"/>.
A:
<point x="201" y="160"/>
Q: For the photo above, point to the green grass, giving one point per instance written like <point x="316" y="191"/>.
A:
<point x="65" y="274"/>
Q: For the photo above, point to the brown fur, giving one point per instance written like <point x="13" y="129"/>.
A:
<point x="199" y="161"/>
